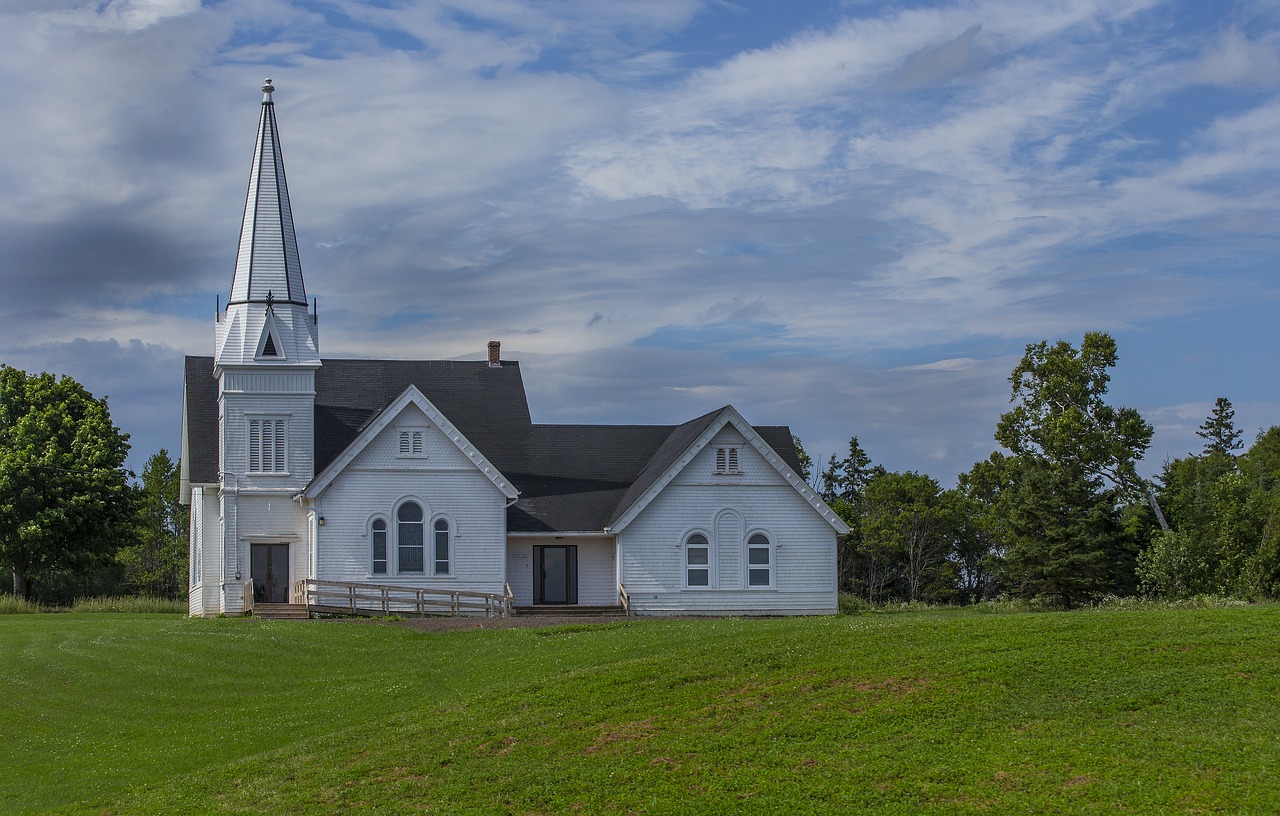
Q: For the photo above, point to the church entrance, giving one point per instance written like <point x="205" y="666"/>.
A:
<point x="270" y="569"/>
<point x="555" y="575"/>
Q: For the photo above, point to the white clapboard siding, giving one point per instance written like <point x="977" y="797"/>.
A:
<point x="474" y="507"/>
<point x="597" y="568"/>
<point x="729" y="508"/>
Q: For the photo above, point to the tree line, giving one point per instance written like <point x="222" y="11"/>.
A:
<point x="73" y="521"/>
<point x="1060" y="515"/>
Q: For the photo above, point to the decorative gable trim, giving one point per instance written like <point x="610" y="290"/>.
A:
<point x="410" y="396"/>
<point x="728" y="416"/>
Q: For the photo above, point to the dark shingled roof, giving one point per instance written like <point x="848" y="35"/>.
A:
<point x="571" y="478"/>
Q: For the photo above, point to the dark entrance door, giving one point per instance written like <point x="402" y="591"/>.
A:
<point x="555" y="575"/>
<point x="270" y="566"/>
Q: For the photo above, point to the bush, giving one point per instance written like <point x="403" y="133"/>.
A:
<point x="130" y="603"/>
<point x="13" y="605"/>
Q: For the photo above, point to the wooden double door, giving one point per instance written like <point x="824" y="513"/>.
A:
<point x="269" y="567"/>
<point x="555" y="574"/>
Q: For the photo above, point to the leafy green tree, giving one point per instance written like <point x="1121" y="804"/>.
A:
<point x="1061" y="415"/>
<point x="1219" y="429"/>
<point x="64" y="493"/>
<point x="156" y="563"/>
<point x="1226" y="524"/>
<point x="904" y="532"/>
<point x="1065" y="539"/>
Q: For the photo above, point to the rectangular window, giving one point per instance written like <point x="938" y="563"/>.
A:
<point x="380" y="550"/>
<point x="758" y="567"/>
<point x="699" y="566"/>
<point x="442" y="547"/>
<point x="410" y="548"/>
<point x="267" y="445"/>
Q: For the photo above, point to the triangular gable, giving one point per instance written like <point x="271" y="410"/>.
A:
<point x="269" y="345"/>
<point x="411" y="395"/>
<point x="727" y="416"/>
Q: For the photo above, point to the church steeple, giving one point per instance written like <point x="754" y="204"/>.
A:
<point x="266" y="321"/>
<point x="267" y="262"/>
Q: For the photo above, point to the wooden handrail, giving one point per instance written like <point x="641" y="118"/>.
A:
<point x="248" y="597"/>
<point x="355" y="598"/>
<point x="624" y="600"/>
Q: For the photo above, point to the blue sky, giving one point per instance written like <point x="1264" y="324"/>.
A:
<point x="845" y="217"/>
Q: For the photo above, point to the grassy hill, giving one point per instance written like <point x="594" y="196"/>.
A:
<point x="927" y="712"/>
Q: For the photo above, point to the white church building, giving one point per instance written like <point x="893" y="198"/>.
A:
<point x="398" y="476"/>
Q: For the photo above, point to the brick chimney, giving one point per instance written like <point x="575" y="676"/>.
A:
<point x="495" y="354"/>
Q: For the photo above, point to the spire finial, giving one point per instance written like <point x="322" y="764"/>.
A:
<point x="267" y="88"/>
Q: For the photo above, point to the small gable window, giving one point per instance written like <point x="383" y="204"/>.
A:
<point x="441" y="546"/>
<point x="727" y="460"/>
<point x="378" y="541"/>
<point x="411" y="443"/>
<point x="269" y="348"/>
<point x="267" y="445"/>
<point x="759" y="562"/>
<point x="697" y="561"/>
<point x="409" y="538"/>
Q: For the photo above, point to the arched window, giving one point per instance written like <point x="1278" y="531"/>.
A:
<point x="378" y="542"/>
<point x="697" y="561"/>
<point x="441" y="546"/>
<point x="759" y="561"/>
<point x="409" y="538"/>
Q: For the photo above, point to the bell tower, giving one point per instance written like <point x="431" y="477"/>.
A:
<point x="266" y="353"/>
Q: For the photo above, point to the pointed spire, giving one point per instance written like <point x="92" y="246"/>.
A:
<point x="268" y="257"/>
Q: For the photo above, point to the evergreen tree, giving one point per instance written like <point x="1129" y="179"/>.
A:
<point x="1219" y="429"/>
<point x="156" y="563"/>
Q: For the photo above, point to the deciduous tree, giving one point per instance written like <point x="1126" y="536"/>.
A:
<point x="64" y="494"/>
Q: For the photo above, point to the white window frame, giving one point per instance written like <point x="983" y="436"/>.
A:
<point x="753" y="542"/>
<point x="386" y="544"/>
<point x="422" y="544"/>
<point x="691" y="543"/>
<point x="451" y="530"/>
<point x="257" y="451"/>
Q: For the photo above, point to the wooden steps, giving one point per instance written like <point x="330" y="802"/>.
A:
<point x="568" y="610"/>
<point x="280" y="611"/>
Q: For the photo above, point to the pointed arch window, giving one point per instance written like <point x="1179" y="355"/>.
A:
<point x="409" y="538"/>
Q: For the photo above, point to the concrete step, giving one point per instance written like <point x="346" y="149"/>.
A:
<point x="280" y="611"/>
<point x="569" y="610"/>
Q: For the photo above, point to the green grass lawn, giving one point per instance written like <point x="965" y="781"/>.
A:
<point x="1165" y="711"/>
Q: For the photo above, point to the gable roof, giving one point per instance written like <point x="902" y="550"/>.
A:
<point x="410" y="396"/>
<point x="570" y="478"/>
<point x="696" y="435"/>
<point x="485" y="403"/>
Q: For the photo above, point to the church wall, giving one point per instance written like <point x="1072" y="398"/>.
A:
<point x="474" y="507"/>
<point x="597" y="568"/>
<point x="728" y="509"/>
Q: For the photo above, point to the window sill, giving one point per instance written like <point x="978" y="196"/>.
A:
<point x="267" y="473"/>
